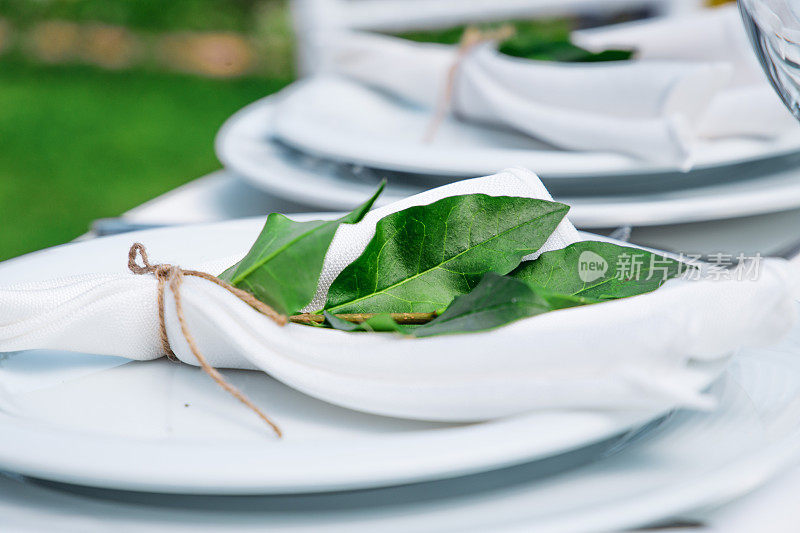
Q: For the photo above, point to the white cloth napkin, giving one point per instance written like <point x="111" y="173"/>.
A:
<point x="637" y="353"/>
<point x="747" y="106"/>
<point x="655" y="108"/>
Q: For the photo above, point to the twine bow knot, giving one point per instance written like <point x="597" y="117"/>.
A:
<point x="471" y="38"/>
<point x="172" y="276"/>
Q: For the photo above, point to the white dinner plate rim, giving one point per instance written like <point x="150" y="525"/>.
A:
<point x="706" y="490"/>
<point x="774" y="193"/>
<point x="371" y="153"/>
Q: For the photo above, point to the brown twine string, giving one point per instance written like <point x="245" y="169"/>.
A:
<point x="174" y="275"/>
<point x="471" y="38"/>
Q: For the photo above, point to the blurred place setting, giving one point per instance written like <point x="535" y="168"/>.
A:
<point x="400" y="265"/>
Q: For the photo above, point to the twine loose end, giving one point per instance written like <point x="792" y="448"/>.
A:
<point x="174" y="275"/>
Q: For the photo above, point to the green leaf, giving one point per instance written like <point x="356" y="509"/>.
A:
<point x="379" y="322"/>
<point x="282" y="268"/>
<point x="424" y="256"/>
<point x="340" y="323"/>
<point x="564" y="51"/>
<point x="542" y="40"/>
<point x="496" y="301"/>
<point x="599" y="270"/>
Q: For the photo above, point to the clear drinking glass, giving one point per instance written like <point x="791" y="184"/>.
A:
<point x="774" y="30"/>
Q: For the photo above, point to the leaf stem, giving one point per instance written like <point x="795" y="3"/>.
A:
<point x="357" y="318"/>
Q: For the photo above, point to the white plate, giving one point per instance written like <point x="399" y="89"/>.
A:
<point x="346" y="121"/>
<point x="166" y="427"/>
<point x="245" y="146"/>
<point x="689" y="462"/>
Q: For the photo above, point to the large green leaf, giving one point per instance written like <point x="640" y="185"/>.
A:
<point x="522" y="45"/>
<point x="544" y="40"/>
<point x="599" y="270"/>
<point x="424" y="256"/>
<point x="282" y="268"/>
<point x="496" y="301"/>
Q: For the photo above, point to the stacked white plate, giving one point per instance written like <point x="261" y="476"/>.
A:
<point x="127" y="433"/>
<point x="336" y="140"/>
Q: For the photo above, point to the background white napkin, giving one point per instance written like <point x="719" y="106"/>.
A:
<point x="655" y="108"/>
<point x="746" y="106"/>
<point x="635" y="353"/>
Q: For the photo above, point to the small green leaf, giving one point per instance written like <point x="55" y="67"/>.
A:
<point x="282" y="268"/>
<point x="379" y="322"/>
<point x="562" y="301"/>
<point x="384" y="322"/>
<point x="599" y="270"/>
<point x="424" y="256"/>
<point x="340" y="323"/>
<point x="495" y="301"/>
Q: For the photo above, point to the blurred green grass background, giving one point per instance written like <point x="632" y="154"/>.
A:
<point x="78" y="142"/>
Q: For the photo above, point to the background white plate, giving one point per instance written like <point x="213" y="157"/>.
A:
<point x="689" y="462"/>
<point x="347" y="121"/>
<point x="166" y="427"/>
<point x="244" y="145"/>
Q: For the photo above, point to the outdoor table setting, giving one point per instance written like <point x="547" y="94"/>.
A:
<point x="440" y="287"/>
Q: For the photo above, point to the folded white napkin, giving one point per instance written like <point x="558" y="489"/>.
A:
<point x="746" y="106"/>
<point x="627" y="354"/>
<point x="656" y="110"/>
<point x="703" y="35"/>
